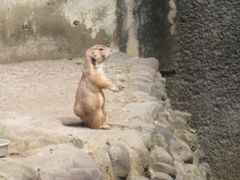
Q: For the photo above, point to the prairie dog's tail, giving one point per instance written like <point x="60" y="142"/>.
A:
<point x="72" y="122"/>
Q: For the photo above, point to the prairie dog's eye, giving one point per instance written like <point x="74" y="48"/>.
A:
<point x="101" y="49"/>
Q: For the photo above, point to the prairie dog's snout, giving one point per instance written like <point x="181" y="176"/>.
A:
<point x="99" y="53"/>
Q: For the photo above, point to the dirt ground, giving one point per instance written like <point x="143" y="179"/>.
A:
<point x="36" y="96"/>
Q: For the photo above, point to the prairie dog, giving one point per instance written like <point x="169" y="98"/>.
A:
<point x="90" y="100"/>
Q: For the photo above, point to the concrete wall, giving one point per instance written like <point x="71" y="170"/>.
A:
<point x="51" y="29"/>
<point x="207" y="79"/>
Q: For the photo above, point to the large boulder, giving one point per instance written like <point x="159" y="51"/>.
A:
<point x="146" y="111"/>
<point x="151" y="62"/>
<point x="163" y="167"/>
<point x="12" y="169"/>
<point x="160" y="176"/>
<point x="121" y="161"/>
<point x="181" y="151"/>
<point x="135" y="142"/>
<point x="159" y="154"/>
<point x="102" y="157"/>
<point x="63" y="162"/>
<point x="140" y="96"/>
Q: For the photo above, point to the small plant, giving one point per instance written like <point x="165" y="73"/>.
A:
<point x="192" y="139"/>
<point x="77" y="143"/>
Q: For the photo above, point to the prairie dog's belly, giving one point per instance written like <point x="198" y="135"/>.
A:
<point x="92" y="101"/>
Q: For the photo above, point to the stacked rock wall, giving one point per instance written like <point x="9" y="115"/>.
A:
<point x="173" y="147"/>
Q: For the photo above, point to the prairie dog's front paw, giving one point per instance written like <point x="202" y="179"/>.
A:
<point x="115" y="88"/>
<point x="121" y="87"/>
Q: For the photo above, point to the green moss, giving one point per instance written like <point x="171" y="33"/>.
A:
<point x="77" y="143"/>
<point x="192" y="139"/>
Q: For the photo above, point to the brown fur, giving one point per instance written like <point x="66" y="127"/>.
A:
<point x="90" y="100"/>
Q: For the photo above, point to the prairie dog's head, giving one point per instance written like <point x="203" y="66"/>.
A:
<point x="98" y="53"/>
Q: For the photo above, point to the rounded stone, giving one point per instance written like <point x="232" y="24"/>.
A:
<point x="159" y="154"/>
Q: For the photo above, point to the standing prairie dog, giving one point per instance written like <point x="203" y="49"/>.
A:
<point x="90" y="100"/>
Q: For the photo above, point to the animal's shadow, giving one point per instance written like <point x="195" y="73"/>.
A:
<point x="71" y="121"/>
<point x="76" y="123"/>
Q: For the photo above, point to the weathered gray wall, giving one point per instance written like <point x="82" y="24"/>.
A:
<point x="207" y="79"/>
<point x="51" y="29"/>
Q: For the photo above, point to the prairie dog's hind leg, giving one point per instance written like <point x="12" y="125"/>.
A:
<point x="105" y="124"/>
<point x="95" y="119"/>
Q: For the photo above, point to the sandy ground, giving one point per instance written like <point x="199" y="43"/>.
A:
<point x="36" y="96"/>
